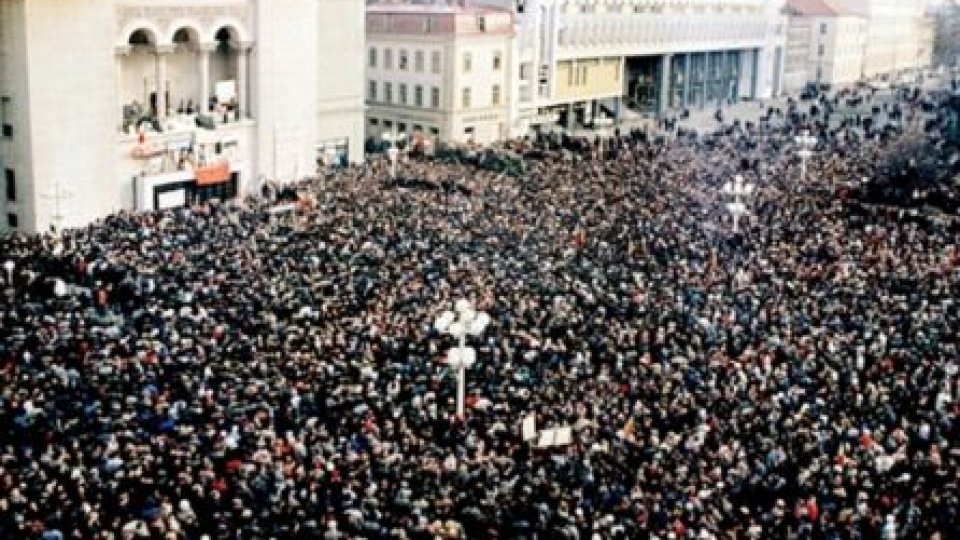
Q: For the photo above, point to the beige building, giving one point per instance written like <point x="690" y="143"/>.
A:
<point x="899" y="36"/>
<point x="440" y="71"/>
<point x="115" y="105"/>
<point x="826" y="43"/>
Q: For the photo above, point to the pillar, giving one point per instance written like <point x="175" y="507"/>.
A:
<point x="617" y="103"/>
<point x="706" y="80"/>
<point x="754" y="69"/>
<point x="686" y="79"/>
<point x="162" y="52"/>
<point x="120" y="55"/>
<point x="663" y="96"/>
<point x="570" y="117"/>
<point x="242" y="79"/>
<point x="206" y="49"/>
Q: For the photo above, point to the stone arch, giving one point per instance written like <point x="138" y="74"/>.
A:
<point x="136" y="29"/>
<point x="235" y="30"/>
<point x="181" y="29"/>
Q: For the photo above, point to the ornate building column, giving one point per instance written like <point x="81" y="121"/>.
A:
<point x="162" y="52"/>
<point x="663" y="95"/>
<point x="120" y="55"/>
<point x="204" y="52"/>
<point x="243" y="82"/>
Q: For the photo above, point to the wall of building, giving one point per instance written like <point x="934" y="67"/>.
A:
<point x="285" y="76"/>
<point x="588" y="78"/>
<point x="72" y="102"/>
<point x="340" y="65"/>
<point x="15" y="150"/>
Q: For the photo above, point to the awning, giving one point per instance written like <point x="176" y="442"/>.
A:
<point x="213" y="174"/>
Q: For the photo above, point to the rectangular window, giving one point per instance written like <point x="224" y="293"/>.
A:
<point x="401" y="127"/>
<point x="374" y="122"/>
<point x="495" y="93"/>
<point x="570" y="72"/>
<point x="525" y="70"/>
<point x="482" y="23"/>
<point x="388" y="92"/>
<point x="403" y="93"/>
<point x="435" y="97"/>
<point x="466" y="98"/>
<point x="11" y="184"/>
<point x="467" y="62"/>
<point x="820" y="50"/>
<point x="372" y="91"/>
<point x="497" y="60"/>
<point x="12" y="221"/>
<point x="469" y="132"/>
<point x="402" y="60"/>
<point x="583" y="75"/>
<point x="435" y="132"/>
<point x="428" y="24"/>
<point x="823" y="28"/>
<point x="417" y="128"/>
<point x="388" y="59"/>
<point x="5" y="119"/>
<point x="418" y="96"/>
<point x="388" y="124"/>
<point x="372" y="61"/>
<point x="435" y="62"/>
<point x="418" y="61"/>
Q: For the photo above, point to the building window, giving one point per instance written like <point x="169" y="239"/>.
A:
<point x="388" y="59"/>
<point x="388" y="124"/>
<point x="469" y="132"/>
<point x="820" y="50"/>
<point x="435" y="132"/>
<point x="435" y="97"/>
<point x="401" y="127"/>
<point x="402" y="60"/>
<point x="823" y="28"/>
<point x="12" y="221"/>
<point x="428" y="24"/>
<point x="497" y="61"/>
<point x="372" y="61"/>
<point x="570" y="71"/>
<point x="583" y="75"/>
<point x="466" y="98"/>
<point x="435" y="62"/>
<point x="403" y="93"/>
<point x="11" y="184"/>
<point x="495" y="93"/>
<point x="388" y="92"/>
<point x="372" y="91"/>
<point x="525" y="70"/>
<point x="467" y="62"/>
<point x="374" y="122"/>
<point x="5" y="119"/>
<point x="418" y="96"/>
<point x="418" y="61"/>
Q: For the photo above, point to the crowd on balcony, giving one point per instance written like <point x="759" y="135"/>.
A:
<point x="229" y="371"/>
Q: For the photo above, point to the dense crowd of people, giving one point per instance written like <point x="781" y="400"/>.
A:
<point x="231" y="371"/>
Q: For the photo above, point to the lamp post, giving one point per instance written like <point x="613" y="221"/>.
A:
<point x="466" y="321"/>
<point x="738" y="189"/>
<point x="392" y="153"/>
<point x="807" y="143"/>
<point x="8" y="265"/>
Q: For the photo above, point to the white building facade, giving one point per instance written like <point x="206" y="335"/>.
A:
<point x="143" y="104"/>
<point x="899" y="36"/>
<point x="826" y="43"/>
<point x="577" y="61"/>
<point x="438" y="72"/>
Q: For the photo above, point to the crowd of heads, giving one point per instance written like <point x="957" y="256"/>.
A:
<point x="243" y="370"/>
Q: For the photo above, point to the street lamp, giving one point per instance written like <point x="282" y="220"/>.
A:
<point x="466" y="321"/>
<point x="392" y="153"/>
<point x="807" y="143"/>
<point x="738" y="190"/>
<point x="9" y="266"/>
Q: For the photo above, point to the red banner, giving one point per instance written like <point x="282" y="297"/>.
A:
<point x="213" y="174"/>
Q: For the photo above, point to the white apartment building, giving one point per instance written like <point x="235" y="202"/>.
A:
<point x="115" y="105"/>
<point x="827" y="42"/>
<point x="579" y="60"/>
<point x="438" y="71"/>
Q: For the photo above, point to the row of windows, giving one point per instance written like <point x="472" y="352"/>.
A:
<point x="402" y="127"/>
<point x="372" y="94"/>
<point x="466" y="95"/>
<point x="403" y="60"/>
